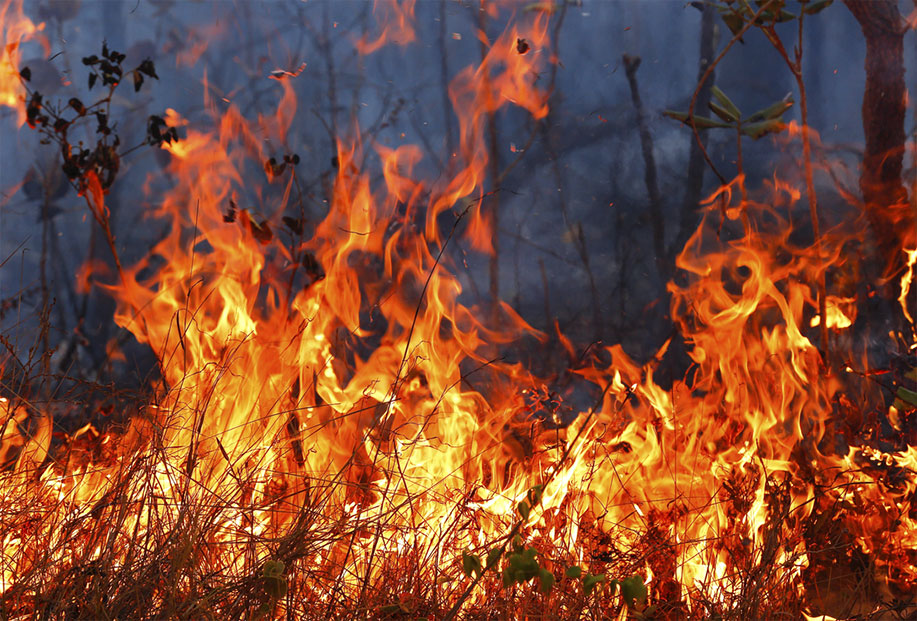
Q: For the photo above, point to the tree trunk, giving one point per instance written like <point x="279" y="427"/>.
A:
<point x="884" y="98"/>
<point x="694" y="185"/>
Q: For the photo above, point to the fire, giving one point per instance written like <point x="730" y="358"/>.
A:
<point x="332" y="409"/>
<point x="906" y="281"/>
<point x="397" y="21"/>
<point x="15" y="30"/>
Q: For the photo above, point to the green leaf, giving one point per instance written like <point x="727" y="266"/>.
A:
<point x="812" y="8"/>
<point x="725" y="102"/>
<point x="574" y="571"/>
<point x="273" y="569"/>
<point x="524" y="510"/>
<point x="508" y="577"/>
<point x="522" y="565"/>
<point x="701" y="122"/>
<point x="722" y="113"/>
<point x="471" y="564"/>
<point x="546" y="578"/>
<point x="534" y="494"/>
<point x="493" y="557"/>
<point x="733" y="21"/>
<point x="773" y="111"/>
<point x="785" y="16"/>
<point x="591" y="581"/>
<point x="276" y="587"/>
<point x="763" y="128"/>
<point x="633" y="590"/>
<point x="907" y="396"/>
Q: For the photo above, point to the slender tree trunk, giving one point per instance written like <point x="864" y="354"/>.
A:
<point x="492" y="202"/>
<point x="884" y="193"/>
<point x="631" y="64"/>
<point x="694" y="184"/>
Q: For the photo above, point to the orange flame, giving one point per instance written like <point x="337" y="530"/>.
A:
<point x="16" y="29"/>
<point x="397" y="21"/>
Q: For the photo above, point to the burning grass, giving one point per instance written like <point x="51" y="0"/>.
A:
<point x="335" y="434"/>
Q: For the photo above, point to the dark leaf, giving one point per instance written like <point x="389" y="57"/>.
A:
<point x="138" y="80"/>
<point x="71" y="169"/>
<point x="522" y="46"/>
<point x="230" y="215"/>
<point x="148" y="68"/>
<point x="90" y="60"/>
<point x="815" y="7"/>
<point x="33" y="110"/>
<point x="313" y="268"/>
<point x="157" y="131"/>
<point x="92" y="80"/>
<point x="260" y="230"/>
<point x="294" y="224"/>
<point x="26" y="74"/>
<point x="77" y="105"/>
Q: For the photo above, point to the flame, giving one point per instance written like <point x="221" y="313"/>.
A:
<point x="906" y="281"/>
<point x="338" y="393"/>
<point x="397" y="21"/>
<point x="841" y="312"/>
<point x="16" y="29"/>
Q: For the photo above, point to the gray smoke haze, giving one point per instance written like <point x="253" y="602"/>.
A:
<point x="583" y="170"/>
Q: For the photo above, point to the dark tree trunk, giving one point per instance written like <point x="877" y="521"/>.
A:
<point x="694" y="186"/>
<point x="884" y="98"/>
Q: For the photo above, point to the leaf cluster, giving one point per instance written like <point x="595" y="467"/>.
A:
<point x="767" y="120"/>
<point x="736" y="13"/>
<point x="56" y="122"/>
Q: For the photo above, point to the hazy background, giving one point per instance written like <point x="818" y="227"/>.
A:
<point x="584" y="168"/>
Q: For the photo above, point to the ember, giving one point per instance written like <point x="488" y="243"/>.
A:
<point x="342" y="425"/>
